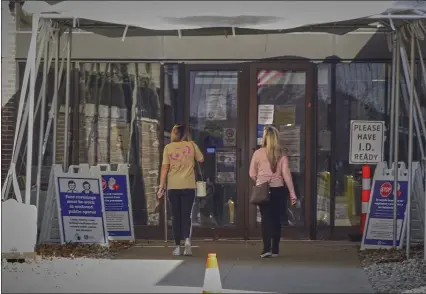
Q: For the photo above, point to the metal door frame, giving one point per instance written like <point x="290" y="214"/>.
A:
<point x="237" y="231"/>
<point x="309" y="230"/>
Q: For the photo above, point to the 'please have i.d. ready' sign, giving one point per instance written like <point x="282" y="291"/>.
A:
<point x="367" y="139"/>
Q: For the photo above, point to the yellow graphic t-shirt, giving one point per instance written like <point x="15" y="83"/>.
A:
<point x="181" y="156"/>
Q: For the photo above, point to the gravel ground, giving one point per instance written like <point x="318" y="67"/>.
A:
<point x="49" y="251"/>
<point x="416" y="290"/>
<point x="390" y="272"/>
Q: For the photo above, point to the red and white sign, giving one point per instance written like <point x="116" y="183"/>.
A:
<point x="386" y="189"/>
<point x="104" y="184"/>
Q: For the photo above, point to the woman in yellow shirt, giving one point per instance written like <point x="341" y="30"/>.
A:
<point x="178" y="168"/>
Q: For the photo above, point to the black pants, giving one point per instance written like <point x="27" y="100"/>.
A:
<point x="271" y="219"/>
<point x="181" y="201"/>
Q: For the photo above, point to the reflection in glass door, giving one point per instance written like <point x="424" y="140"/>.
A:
<point x="281" y="101"/>
<point x="214" y="126"/>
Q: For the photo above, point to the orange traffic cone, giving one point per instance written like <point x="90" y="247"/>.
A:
<point x="212" y="281"/>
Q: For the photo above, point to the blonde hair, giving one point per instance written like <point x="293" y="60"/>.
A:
<point x="180" y="133"/>
<point x="270" y="141"/>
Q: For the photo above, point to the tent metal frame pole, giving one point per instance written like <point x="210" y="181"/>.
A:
<point x="46" y="31"/>
<point x="67" y="100"/>
<point x="398" y="16"/>
<point x="54" y="112"/>
<point x="417" y="115"/>
<point x="396" y="138"/>
<point x="21" y="120"/>
<point x="423" y="73"/>
<point x="392" y="111"/>
<point x="31" y="94"/>
<point x="46" y="67"/>
<point x="410" y="145"/>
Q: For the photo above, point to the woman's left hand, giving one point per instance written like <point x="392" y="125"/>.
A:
<point x="293" y="200"/>
<point x="160" y="193"/>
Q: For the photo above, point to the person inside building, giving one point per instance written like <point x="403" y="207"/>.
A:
<point x="270" y="164"/>
<point x="178" y="169"/>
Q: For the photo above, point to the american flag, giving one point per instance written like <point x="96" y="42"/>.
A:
<point x="268" y="77"/>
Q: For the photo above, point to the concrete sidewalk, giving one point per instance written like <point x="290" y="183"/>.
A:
<point x="303" y="266"/>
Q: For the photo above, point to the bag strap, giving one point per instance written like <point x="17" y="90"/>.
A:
<point x="198" y="164"/>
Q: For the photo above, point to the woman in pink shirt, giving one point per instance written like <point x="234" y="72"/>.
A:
<point x="270" y="164"/>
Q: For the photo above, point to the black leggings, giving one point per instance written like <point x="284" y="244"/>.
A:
<point x="271" y="219"/>
<point x="181" y="201"/>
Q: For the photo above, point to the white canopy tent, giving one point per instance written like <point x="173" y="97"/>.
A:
<point x="187" y="15"/>
<point x="180" y="16"/>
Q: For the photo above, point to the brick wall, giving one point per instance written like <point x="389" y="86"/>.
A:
<point x="8" y="87"/>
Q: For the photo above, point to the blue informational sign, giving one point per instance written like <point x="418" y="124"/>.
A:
<point x="116" y="203"/>
<point x="259" y="134"/>
<point x="259" y="131"/>
<point x="81" y="210"/>
<point x="379" y="226"/>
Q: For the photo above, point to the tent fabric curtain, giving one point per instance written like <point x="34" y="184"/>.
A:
<point x="107" y="91"/>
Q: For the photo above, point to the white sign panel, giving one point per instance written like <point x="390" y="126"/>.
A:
<point x="215" y="104"/>
<point x="19" y="228"/>
<point x="265" y="115"/>
<point x="367" y="139"/>
<point x="82" y="211"/>
<point x="229" y="137"/>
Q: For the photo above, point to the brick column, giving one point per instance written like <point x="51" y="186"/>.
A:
<point x="8" y="88"/>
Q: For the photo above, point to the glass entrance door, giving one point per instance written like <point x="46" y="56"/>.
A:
<point x="280" y="95"/>
<point x="213" y="112"/>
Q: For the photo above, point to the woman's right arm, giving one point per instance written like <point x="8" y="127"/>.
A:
<point x="164" y="171"/>
<point x="198" y="154"/>
<point x="253" y="167"/>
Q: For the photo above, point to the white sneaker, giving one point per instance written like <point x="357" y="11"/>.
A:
<point x="266" y="255"/>
<point x="188" y="249"/>
<point x="176" y="252"/>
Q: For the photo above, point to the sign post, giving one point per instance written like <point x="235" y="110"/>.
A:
<point x="366" y="142"/>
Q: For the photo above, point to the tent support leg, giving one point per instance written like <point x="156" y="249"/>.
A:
<point x="417" y="115"/>
<point x="55" y="92"/>
<point x="32" y="61"/>
<point x="67" y="100"/>
<point x="46" y="66"/>
<point x="396" y="138"/>
<point x="410" y="145"/>
<point x="20" y="125"/>
<point x="392" y="110"/>
<point x="52" y="113"/>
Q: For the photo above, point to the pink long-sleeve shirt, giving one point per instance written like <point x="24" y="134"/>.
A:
<point x="260" y="170"/>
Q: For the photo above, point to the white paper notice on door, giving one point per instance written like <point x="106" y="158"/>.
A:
<point x="265" y="115"/>
<point x="215" y="104"/>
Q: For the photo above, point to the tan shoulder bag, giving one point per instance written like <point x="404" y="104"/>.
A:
<point x="201" y="186"/>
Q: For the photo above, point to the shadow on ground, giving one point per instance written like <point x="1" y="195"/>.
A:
<point x="305" y="266"/>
